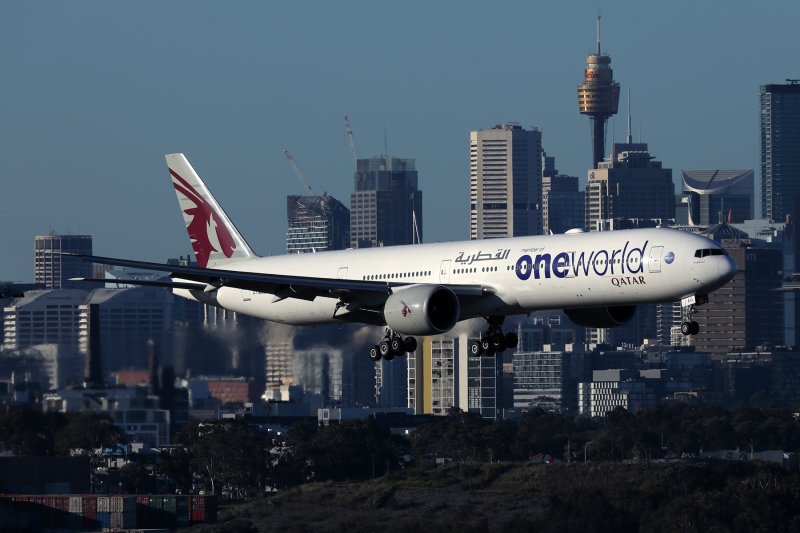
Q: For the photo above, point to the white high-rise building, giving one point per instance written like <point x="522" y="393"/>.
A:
<point x="505" y="182"/>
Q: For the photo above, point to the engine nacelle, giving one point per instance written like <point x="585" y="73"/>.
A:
<point x="601" y="317"/>
<point x="422" y="310"/>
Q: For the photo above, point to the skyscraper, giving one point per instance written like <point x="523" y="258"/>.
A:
<point x="505" y="182"/>
<point x="598" y="97"/>
<point x="631" y="185"/>
<point x="780" y="150"/>
<point x="711" y="192"/>
<point x="316" y="224"/>
<point x="386" y="205"/>
<point x="54" y="270"/>
<point x="562" y="204"/>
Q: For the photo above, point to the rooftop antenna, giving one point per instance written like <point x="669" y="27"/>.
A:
<point x="630" y="135"/>
<point x="385" y="144"/>
<point x="598" y="34"/>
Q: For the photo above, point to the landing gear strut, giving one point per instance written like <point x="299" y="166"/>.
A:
<point x="494" y="340"/>
<point x="391" y="346"/>
<point x="690" y="327"/>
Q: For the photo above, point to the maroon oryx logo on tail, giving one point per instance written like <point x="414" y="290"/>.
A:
<point x="203" y="219"/>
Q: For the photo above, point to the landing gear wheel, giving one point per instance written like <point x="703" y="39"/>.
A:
<point x="410" y="344"/>
<point x="490" y="352"/>
<point x="396" y="345"/>
<point x="690" y="328"/>
<point x="375" y="353"/>
<point x="511" y="340"/>
<point x="389" y="356"/>
<point x="498" y="342"/>
<point x="384" y="349"/>
<point x="475" y="348"/>
<point x="486" y="345"/>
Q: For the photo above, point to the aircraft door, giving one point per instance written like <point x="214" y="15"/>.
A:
<point x="444" y="272"/>
<point x="342" y="274"/>
<point x="655" y="258"/>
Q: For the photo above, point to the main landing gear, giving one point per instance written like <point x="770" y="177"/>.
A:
<point x="494" y="340"/>
<point x="392" y="345"/>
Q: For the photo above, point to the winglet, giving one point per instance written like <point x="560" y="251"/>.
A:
<point x="214" y="238"/>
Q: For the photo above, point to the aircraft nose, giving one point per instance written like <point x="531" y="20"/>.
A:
<point x="727" y="269"/>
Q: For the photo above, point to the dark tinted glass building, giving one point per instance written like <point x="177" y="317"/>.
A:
<point x="780" y="150"/>
<point x="386" y="205"/>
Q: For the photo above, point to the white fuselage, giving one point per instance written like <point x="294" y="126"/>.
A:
<point x="521" y="274"/>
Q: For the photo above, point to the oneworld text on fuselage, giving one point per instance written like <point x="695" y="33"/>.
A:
<point x="625" y="260"/>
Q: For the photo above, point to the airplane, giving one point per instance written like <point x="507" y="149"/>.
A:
<point x="597" y="278"/>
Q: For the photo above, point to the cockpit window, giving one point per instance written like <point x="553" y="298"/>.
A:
<point x="708" y="251"/>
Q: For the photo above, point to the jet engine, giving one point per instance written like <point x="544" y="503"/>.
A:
<point x="601" y="317"/>
<point x="422" y="310"/>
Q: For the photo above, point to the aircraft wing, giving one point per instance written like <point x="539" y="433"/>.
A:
<point x="280" y="285"/>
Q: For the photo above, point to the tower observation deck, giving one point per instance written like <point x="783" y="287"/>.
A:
<point x="598" y="97"/>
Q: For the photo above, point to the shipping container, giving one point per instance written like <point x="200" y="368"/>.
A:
<point x="89" y="503"/>
<point x="122" y="504"/>
<point x="103" y="519"/>
<point x="202" y="508"/>
<point x="61" y="503"/>
<point x="157" y="502"/>
<point x="76" y="505"/>
<point x="181" y="511"/>
<point x="103" y="504"/>
<point x="122" y="520"/>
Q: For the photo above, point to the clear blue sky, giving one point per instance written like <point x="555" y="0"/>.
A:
<point x="95" y="92"/>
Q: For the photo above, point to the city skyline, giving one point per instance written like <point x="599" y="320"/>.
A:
<point x="96" y="93"/>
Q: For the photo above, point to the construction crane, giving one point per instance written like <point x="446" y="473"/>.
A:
<point x="298" y="172"/>
<point x="349" y="133"/>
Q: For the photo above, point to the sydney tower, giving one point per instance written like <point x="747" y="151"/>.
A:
<point x="598" y="97"/>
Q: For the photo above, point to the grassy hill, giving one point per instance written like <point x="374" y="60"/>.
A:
<point x="531" y="497"/>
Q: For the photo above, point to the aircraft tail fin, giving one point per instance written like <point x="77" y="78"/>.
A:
<point x="214" y="238"/>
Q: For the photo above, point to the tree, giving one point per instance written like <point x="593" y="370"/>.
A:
<point x="137" y="479"/>
<point x="459" y="436"/>
<point x="176" y="465"/>
<point x="350" y="450"/>
<point x="229" y="454"/>
<point x="87" y="431"/>
<point x="30" y="432"/>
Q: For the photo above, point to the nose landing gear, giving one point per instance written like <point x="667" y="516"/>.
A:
<point x="690" y="327"/>
<point x="391" y="346"/>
